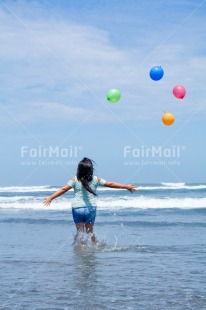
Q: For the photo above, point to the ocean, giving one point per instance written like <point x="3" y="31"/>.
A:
<point x="150" y="251"/>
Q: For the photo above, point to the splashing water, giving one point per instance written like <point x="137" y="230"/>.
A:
<point x="83" y="242"/>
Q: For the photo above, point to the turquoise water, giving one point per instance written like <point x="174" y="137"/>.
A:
<point x="151" y="250"/>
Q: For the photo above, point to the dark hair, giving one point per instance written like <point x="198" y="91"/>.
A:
<point x="85" y="173"/>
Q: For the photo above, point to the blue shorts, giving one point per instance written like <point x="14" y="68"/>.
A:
<point x="84" y="215"/>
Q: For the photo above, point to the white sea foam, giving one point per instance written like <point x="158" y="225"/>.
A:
<point x="173" y="184"/>
<point x="17" y="199"/>
<point x="152" y="203"/>
<point x="111" y="203"/>
<point x="36" y="189"/>
<point x="27" y="189"/>
<point x="47" y="188"/>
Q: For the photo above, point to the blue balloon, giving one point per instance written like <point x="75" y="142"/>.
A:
<point x="156" y="73"/>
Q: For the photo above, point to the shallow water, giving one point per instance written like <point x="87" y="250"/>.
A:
<point x="145" y="258"/>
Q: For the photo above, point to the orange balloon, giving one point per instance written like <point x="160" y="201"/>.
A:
<point x="168" y="118"/>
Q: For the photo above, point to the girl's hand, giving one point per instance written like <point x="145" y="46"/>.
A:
<point x="47" y="201"/>
<point x="131" y="188"/>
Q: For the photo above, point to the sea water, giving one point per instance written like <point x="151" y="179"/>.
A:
<point x="150" y="251"/>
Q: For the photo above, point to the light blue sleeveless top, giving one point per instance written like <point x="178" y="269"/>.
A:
<point x="83" y="198"/>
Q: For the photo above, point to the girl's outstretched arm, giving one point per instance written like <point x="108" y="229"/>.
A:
<point x="58" y="193"/>
<point x="129" y="187"/>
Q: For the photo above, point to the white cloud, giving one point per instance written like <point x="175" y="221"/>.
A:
<point x="67" y="67"/>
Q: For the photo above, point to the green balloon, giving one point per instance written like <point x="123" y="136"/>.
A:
<point x="113" y="95"/>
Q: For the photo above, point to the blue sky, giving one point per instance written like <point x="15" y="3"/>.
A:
<point x="58" y="60"/>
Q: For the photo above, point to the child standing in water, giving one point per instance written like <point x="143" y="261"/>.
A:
<point x="84" y="203"/>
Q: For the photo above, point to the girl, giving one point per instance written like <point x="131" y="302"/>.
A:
<point x="84" y="203"/>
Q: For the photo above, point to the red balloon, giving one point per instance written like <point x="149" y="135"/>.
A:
<point x="179" y="91"/>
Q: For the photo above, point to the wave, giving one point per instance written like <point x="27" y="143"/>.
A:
<point x="17" y="199"/>
<point x="48" y="188"/>
<point x="27" y="189"/>
<point x="154" y="203"/>
<point x="173" y="184"/>
<point x="36" y="189"/>
<point x="111" y="204"/>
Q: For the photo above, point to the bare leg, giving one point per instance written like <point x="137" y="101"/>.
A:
<point x="80" y="229"/>
<point x="89" y="230"/>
